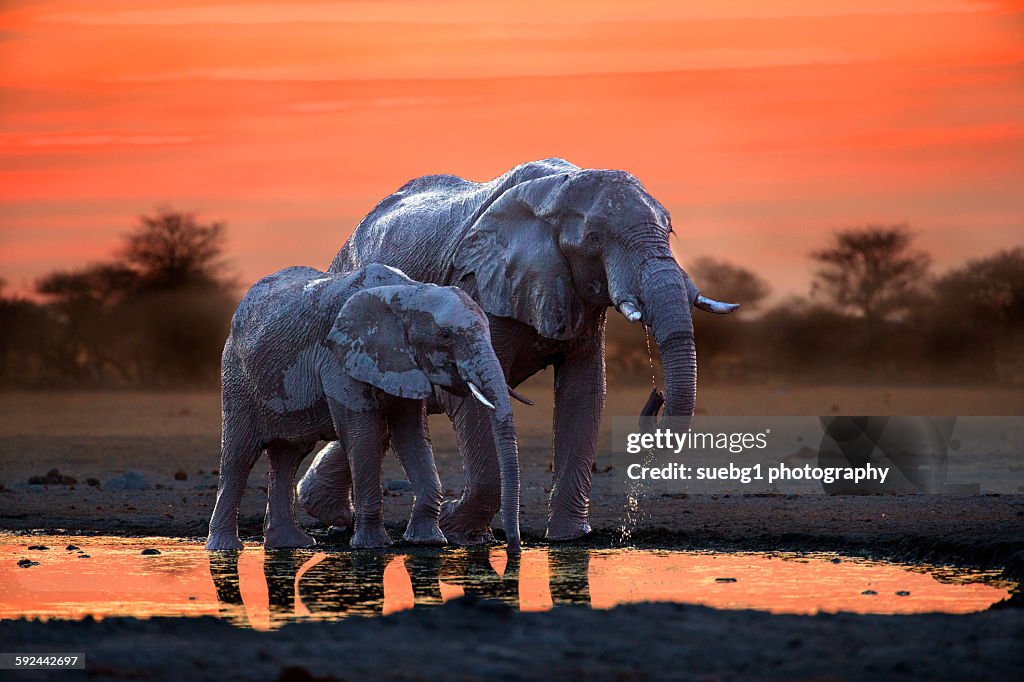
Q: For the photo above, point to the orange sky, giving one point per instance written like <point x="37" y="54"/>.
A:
<point x="762" y="126"/>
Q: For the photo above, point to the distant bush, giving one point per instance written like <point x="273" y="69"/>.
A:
<point x="156" y="316"/>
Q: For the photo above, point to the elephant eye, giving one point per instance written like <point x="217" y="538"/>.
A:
<point x="445" y="333"/>
<point x="594" y="237"/>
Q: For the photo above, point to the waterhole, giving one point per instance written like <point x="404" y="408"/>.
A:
<point x="75" y="577"/>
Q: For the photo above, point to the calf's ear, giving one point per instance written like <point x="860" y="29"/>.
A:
<point x="370" y="343"/>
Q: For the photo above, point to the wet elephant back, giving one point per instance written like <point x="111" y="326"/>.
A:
<point x="419" y="228"/>
<point x="278" y="330"/>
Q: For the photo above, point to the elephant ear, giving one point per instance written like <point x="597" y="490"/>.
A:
<point x="512" y="252"/>
<point x="369" y="341"/>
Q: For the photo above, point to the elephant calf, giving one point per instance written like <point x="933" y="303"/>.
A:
<point x="351" y="358"/>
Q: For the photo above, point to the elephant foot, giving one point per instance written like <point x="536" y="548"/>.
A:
<point x="223" y="542"/>
<point x="564" y="531"/>
<point x="287" y="538"/>
<point x="462" y="529"/>
<point x="425" y="532"/>
<point x="374" y="536"/>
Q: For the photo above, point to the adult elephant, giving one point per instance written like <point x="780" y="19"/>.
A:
<point x="544" y="249"/>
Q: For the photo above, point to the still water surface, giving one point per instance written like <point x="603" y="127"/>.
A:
<point x="109" y="576"/>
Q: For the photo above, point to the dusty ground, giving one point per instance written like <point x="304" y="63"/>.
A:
<point x="100" y="435"/>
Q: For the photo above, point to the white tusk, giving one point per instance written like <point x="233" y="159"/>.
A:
<point x="629" y="311"/>
<point x="518" y="396"/>
<point x="479" y="396"/>
<point x="710" y="305"/>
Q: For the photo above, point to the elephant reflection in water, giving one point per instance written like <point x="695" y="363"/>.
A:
<point x="569" y="576"/>
<point x="224" y="571"/>
<point x="352" y="583"/>
<point x="279" y="570"/>
<point x="471" y="570"/>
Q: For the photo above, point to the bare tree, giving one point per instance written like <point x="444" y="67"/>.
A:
<point x="173" y="250"/>
<point x="157" y="314"/>
<point x="730" y="282"/>
<point x="871" y="271"/>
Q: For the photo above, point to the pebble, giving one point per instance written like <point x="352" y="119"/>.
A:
<point x="903" y="593"/>
<point x="94" y="482"/>
<point x="83" y="556"/>
<point x="52" y="477"/>
<point x="149" y="551"/>
<point x="72" y="548"/>
<point x="180" y="475"/>
<point x="725" y="580"/>
<point x="38" y="548"/>
<point x="869" y="592"/>
<point x="26" y="563"/>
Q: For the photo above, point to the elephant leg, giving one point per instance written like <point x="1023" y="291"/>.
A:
<point x="410" y="439"/>
<point x="579" y="404"/>
<point x="468" y="520"/>
<point x="366" y="442"/>
<point x="280" y="529"/>
<point x="325" y="492"/>
<point x="240" y="448"/>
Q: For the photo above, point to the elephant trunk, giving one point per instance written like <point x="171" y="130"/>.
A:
<point x="667" y="295"/>
<point x="495" y="391"/>
<point x="508" y="464"/>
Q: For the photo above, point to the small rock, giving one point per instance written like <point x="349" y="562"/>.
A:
<point x="149" y="551"/>
<point x="129" y="480"/>
<point x="725" y="580"/>
<point x="869" y="592"/>
<point x="52" y="477"/>
<point x="38" y="548"/>
<point x="83" y="556"/>
<point x="72" y="548"/>
<point x="180" y="475"/>
<point x="836" y="561"/>
<point x="94" y="482"/>
<point x="903" y="593"/>
<point x="397" y="485"/>
<point x="26" y="563"/>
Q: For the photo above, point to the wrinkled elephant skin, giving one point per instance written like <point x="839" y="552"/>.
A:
<point x="351" y="358"/>
<point x="545" y="250"/>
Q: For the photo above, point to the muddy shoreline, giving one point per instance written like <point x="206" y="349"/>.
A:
<point x="982" y="531"/>
<point x="473" y="639"/>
